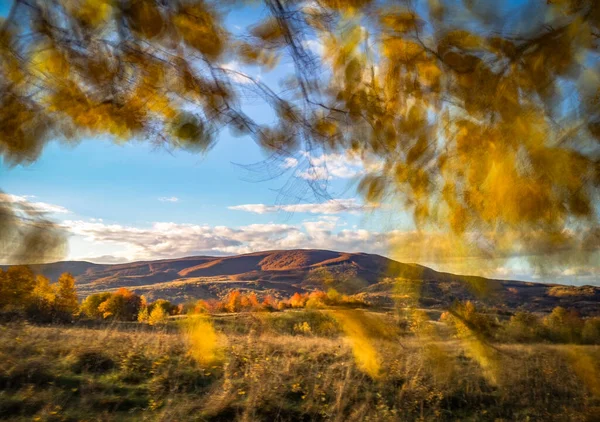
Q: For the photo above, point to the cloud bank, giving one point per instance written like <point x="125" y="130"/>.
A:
<point x="435" y="249"/>
<point x="167" y="239"/>
<point x="333" y="206"/>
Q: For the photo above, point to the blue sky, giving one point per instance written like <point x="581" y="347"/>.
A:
<point x="132" y="201"/>
<point x="136" y="184"/>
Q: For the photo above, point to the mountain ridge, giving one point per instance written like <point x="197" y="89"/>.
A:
<point x="283" y="272"/>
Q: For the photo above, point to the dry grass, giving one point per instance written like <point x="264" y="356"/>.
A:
<point x="116" y="373"/>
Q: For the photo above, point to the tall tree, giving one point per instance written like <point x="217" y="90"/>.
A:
<point x="66" y="296"/>
<point x="16" y="287"/>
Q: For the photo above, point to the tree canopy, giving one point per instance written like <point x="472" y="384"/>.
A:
<point x="482" y="116"/>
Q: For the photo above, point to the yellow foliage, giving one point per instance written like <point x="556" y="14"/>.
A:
<point x="44" y="290"/>
<point x="50" y="62"/>
<point x="268" y="30"/>
<point x="361" y="330"/>
<point x="302" y="328"/>
<point x="476" y="130"/>
<point x="145" y="18"/>
<point x="401" y="50"/>
<point x="200" y="29"/>
<point x="202" y="339"/>
<point x="90" y="12"/>
<point x="157" y="316"/>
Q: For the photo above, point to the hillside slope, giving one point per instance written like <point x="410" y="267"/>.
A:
<point x="283" y="272"/>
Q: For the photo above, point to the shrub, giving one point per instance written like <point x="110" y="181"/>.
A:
<point x="302" y="328"/>
<point x="93" y="361"/>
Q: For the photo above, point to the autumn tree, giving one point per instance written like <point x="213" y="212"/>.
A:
<point x="66" y="300"/>
<point x="590" y="333"/>
<point x="16" y="287"/>
<point x="35" y="296"/>
<point x="157" y="316"/>
<point x="165" y="305"/>
<point x="90" y="305"/>
<point x="269" y="303"/>
<point x="233" y="301"/>
<point x="122" y="305"/>
<point x="564" y="325"/>
<point x="156" y="312"/>
<point x="44" y="296"/>
<point x="297" y="300"/>
<point x="523" y="327"/>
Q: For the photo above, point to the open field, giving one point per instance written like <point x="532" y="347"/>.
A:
<point x="284" y="366"/>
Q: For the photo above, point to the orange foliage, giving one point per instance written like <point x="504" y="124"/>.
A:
<point x="236" y="301"/>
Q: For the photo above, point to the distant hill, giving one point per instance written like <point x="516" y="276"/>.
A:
<point x="283" y="272"/>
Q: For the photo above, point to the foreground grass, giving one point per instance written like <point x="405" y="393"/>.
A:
<point x="281" y="373"/>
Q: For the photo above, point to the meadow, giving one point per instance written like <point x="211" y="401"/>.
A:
<point x="286" y="366"/>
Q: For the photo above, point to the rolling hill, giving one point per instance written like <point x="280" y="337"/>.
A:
<point x="283" y="272"/>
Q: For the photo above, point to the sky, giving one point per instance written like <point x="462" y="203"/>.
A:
<point x="136" y="201"/>
<point x="125" y="201"/>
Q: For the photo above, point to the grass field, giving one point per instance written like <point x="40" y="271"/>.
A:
<point x="284" y="366"/>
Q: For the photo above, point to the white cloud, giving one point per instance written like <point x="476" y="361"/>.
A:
<point x="166" y="199"/>
<point x="289" y="162"/>
<point x="105" y="259"/>
<point x="337" y="166"/>
<point x="23" y="203"/>
<point x="333" y="206"/>
<point x="315" y="173"/>
<point x="166" y="239"/>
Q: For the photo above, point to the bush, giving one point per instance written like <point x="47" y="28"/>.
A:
<point x="135" y="367"/>
<point x="93" y="361"/>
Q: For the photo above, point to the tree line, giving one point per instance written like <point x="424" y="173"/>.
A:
<point x="25" y="295"/>
<point x="560" y="326"/>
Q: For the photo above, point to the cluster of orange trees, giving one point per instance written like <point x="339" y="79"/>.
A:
<point x="35" y="296"/>
<point x="236" y="301"/>
<point x="124" y="305"/>
<point x="25" y="294"/>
